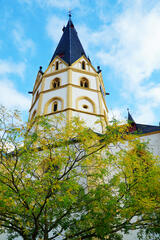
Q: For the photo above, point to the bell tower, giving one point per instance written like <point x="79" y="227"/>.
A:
<point x="70" y="85"/>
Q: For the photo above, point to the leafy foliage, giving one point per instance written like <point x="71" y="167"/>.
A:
<point x="64" y="180"/>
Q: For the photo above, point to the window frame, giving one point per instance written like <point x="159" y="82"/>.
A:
<point x="55" y="103"/>
<point x="84" y="82"/>
<point x="56" y="65"/>
<point x="56" y="83"/>
<point x="83" y="65"/>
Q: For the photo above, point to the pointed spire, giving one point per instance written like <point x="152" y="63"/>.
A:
<point x="132" y="124"/>
<point x="130" y="119"/>
<point x="69" y="48"/>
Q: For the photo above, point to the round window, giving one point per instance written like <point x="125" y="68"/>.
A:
<point x="85" y="106"/>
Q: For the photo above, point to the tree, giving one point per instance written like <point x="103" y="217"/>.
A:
<point x="65" y="181"/>
<point x="151" y="229"/>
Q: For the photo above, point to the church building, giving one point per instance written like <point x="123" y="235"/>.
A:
<point x="71" y="85"/>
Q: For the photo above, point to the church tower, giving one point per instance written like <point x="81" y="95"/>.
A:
<point x="70" y="85"/>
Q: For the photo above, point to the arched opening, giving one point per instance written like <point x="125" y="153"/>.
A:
<point x="55" y="106"/>
<point x="57" y="66"/>
<point x="84" y="83"/>
<point x="83" y="65"/>
<point x="56" y="83"/>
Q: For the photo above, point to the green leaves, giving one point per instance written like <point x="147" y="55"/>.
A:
<point x="65" y="180"/>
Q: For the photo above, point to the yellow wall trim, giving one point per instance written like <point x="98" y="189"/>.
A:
<point x="104" y="103"/>
<point x="41" y="97"/>
<point x="34" y="102"/>
<point x="89" y="100"/>
<point x="75" y="110"/>
<point x="100" y="105"/>
<point x="66" y="85"/>
<point x="84" y="72"/>
<point x="69" y="95"/>
<point x="55" y="72"/>
<point x="147" y="134"/>
<point x="66" y="69"/>
<point x="50" y="65"/>
<point x="52" y="100"/>
<point x="89" y="63"/>
<point x="52" y="81"/>
<point x="60" y="59"/>
<point x="38" y="80"/>
<point x="34" y="90"/>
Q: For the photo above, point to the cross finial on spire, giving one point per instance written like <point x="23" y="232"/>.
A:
<point x="69" y="14"/>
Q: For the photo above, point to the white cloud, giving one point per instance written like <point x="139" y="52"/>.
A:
<point x="134" y="51"/>
<point x="130" y="46"/>
<point x="22" y="43"/>
<point x="53" y="28"/>
<point x="8" y="67"/>
<point x="145" y="114"/>
<point x="117" y="113"/>
<point x="11" y="98"/>
<point x="9" y="95"/>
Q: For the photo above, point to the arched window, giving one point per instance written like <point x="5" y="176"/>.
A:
<point x="56" y="83"/>
<point x="83" y="65"/>
<point x="55" y="106"/>
<point x="57" y="66"/>
<point x="84" y="83"/>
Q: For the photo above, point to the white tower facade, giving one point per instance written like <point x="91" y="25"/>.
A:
<point x="71" y="85"/>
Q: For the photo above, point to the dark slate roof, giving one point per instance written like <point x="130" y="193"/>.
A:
<point x="69" y="48"/>
<point x="141" y="128"/>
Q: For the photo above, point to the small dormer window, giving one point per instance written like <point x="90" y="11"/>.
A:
<point x="57" y="66"/>
<point x="84" y="83"/>
<point x="56" y="83"/>
<point x="55" y="106"/>
<point x="83" y="65"/>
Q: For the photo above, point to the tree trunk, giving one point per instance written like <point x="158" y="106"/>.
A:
<point x="46" y="227"/>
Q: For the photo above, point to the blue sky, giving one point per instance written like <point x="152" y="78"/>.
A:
<point x="122" y="36"/>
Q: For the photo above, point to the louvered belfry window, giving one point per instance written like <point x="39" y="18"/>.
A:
<point x="56" y="83"/>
